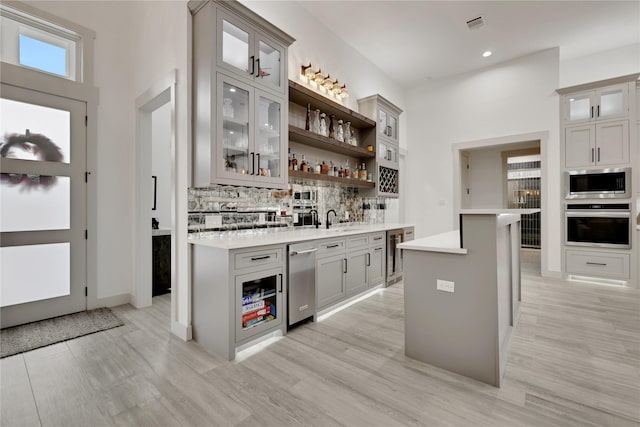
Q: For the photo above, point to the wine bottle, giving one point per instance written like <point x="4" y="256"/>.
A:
<point x="331" y="129"/>
<point x="307" y="124"/>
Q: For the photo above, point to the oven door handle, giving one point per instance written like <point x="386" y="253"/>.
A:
<point x="599" y="214"/>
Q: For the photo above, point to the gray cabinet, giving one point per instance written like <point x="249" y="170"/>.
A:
<point x="240" y="97"/>
<point x="357" y="271"/>
<point x="598" y="104"/>
<point x="601" y="144"/>
<point x="375" y="268"/>
<point x="387" y="164"/>
<point x="330" y="279"/>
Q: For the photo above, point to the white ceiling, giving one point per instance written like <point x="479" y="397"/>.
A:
<point x="416" y="40"/>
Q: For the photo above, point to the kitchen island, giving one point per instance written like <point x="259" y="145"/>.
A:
<point x="462" y="294"/>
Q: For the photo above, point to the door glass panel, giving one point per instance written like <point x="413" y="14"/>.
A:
<point x="235" y="46"/>
<point x="34" y="132"/>
<point x="235" y="129"/>
<point x="25" y="197"/>
<point x="382" y="122"/>
<point x="269" y="64"/>
<point x="580" y="107"/>
<point x="34" y="272"/>
<point x="611" y="103"/>
<point x="393" y="127"/>
<point x="259" y="301"/>
<point x="269" y="139"/>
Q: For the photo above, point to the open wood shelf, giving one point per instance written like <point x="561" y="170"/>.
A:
<point x="320" y="177"/>
<point x="301" y="95"/>
<point x="318" y="141"/>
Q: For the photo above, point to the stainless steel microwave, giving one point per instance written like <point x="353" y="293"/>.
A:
<point x="611" y="183"/>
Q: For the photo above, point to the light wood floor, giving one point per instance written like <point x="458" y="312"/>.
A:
<point x="575" y="361"/>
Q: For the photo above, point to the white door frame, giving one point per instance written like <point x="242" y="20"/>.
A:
<point x="155" y="97"/>
<point x="543" y="137"/>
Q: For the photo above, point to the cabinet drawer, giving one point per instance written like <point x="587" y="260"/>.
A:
<point x="258" y="258"/>
<point x="359" y="241"/>
<point x="331" y="246"/>
<point x="598" y="264"/>
<point x="377" y="239"/>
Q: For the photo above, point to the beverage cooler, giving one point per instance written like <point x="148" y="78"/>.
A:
<point x="259" y="297"/>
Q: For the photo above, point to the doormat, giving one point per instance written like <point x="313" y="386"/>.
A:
<point x="30" y="336"/>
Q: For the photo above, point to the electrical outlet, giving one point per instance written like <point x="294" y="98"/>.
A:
<point x="444" y="285"/>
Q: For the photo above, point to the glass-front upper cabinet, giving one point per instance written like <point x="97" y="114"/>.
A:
<point x="249" y="54"/>
<point x="250" y="140"/>
<point x="388" y="154"/>
<point x="604" y="103"/>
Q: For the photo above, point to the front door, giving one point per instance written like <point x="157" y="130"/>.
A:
<point x="42" y="206"/>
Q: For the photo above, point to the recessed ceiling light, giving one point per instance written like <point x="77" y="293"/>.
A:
<point x="233" y="89"/>
<point x="487" y="53"/>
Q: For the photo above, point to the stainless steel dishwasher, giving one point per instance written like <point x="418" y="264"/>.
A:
<point x="302" y="281"/>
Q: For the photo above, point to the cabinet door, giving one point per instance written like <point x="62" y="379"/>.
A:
<point x="269" y="145"/>
<point x="259" y="302"/>
<point x="356" y="271"/>
<point x="392" y="127"/>
<point x="580" y="107"/>
<point x="234" y="45"/>
<point x="388" y="154"/>
<point x="612" y="101"/>
<point x="269" y="69"/>
<point x="330" y="279"/>
<point x="376" y="266"/>
<point x="579" y="146"/>
<point x="612" y="143"/>
<point x="234" y="156"/>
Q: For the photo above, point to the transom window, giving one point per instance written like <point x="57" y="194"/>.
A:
<point x="33" y="43"/>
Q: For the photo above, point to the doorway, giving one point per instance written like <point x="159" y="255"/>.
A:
<point x="43" y="204"/>
<point x="156" y="192"/>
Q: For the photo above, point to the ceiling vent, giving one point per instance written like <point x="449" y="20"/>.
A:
<point x="476" y="23"/>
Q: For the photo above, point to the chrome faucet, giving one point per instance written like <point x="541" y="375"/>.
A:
<point x="328" y="212"/>
<point x="314" y="216"/>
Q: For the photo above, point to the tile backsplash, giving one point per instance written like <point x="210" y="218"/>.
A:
<point x="228" y="209"/>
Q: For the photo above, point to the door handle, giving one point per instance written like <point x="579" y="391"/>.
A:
<point x="592" y="111"/>
<point x="308" y="251"/>
<point x="258" y="68"/>
<point x="253" y="69"/>
<point x="280" y="275"/>
<point x="345" y="265"/>
<point x="598" y="153"/>
<point x="258" y="169"/>
<point x="368" y="260"/>
<point x="598" y="111"/>
<point x="253" y="163"/>
<point x="155" y="191"/>
<point x="593" y="158"/>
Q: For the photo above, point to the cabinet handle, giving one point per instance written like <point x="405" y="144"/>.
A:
<point x="368" y="259"/>
<point x="253" y="163"/>
<point x="280" y="275"/>
<point x="332" y="246"/>
<point x="377" y="238"/>
<point x="258" y="68"/>
<point x="258" y="258"/>
<point x="345" y="265"/>
<point x="593" y="159"/>
<point x="155" y="191"/>
<point x="598" y="153"/>
<point x="377" y="249"/>
<point x="598" y="111"/>
<point x="602" y="264"/>
<point x="258" y="168"/>
<point x="591" y="109"/>
<point x="253" y="68"/>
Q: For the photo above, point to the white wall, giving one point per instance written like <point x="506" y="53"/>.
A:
<point x="603" y="65"/>
<point x="317" y="45"/>
<point x="137" y="44"/>
<point x="513" y="98"/>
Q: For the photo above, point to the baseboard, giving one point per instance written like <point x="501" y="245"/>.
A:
<point x="183" y="332"/>
<point x="552" y="274"/>
<point x="112" y="301"/>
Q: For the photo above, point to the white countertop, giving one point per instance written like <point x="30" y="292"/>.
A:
<point x="498" y="211"/>
<point x="448" y="242"/>
<point x="291" y="236"/>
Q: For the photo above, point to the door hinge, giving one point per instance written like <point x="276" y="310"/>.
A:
<point x="86" y="292"/>
<point x="86" y="234"/>
<point x="86" y="120"/>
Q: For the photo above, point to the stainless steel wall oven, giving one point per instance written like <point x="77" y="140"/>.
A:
<point x="598" y="225"/>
